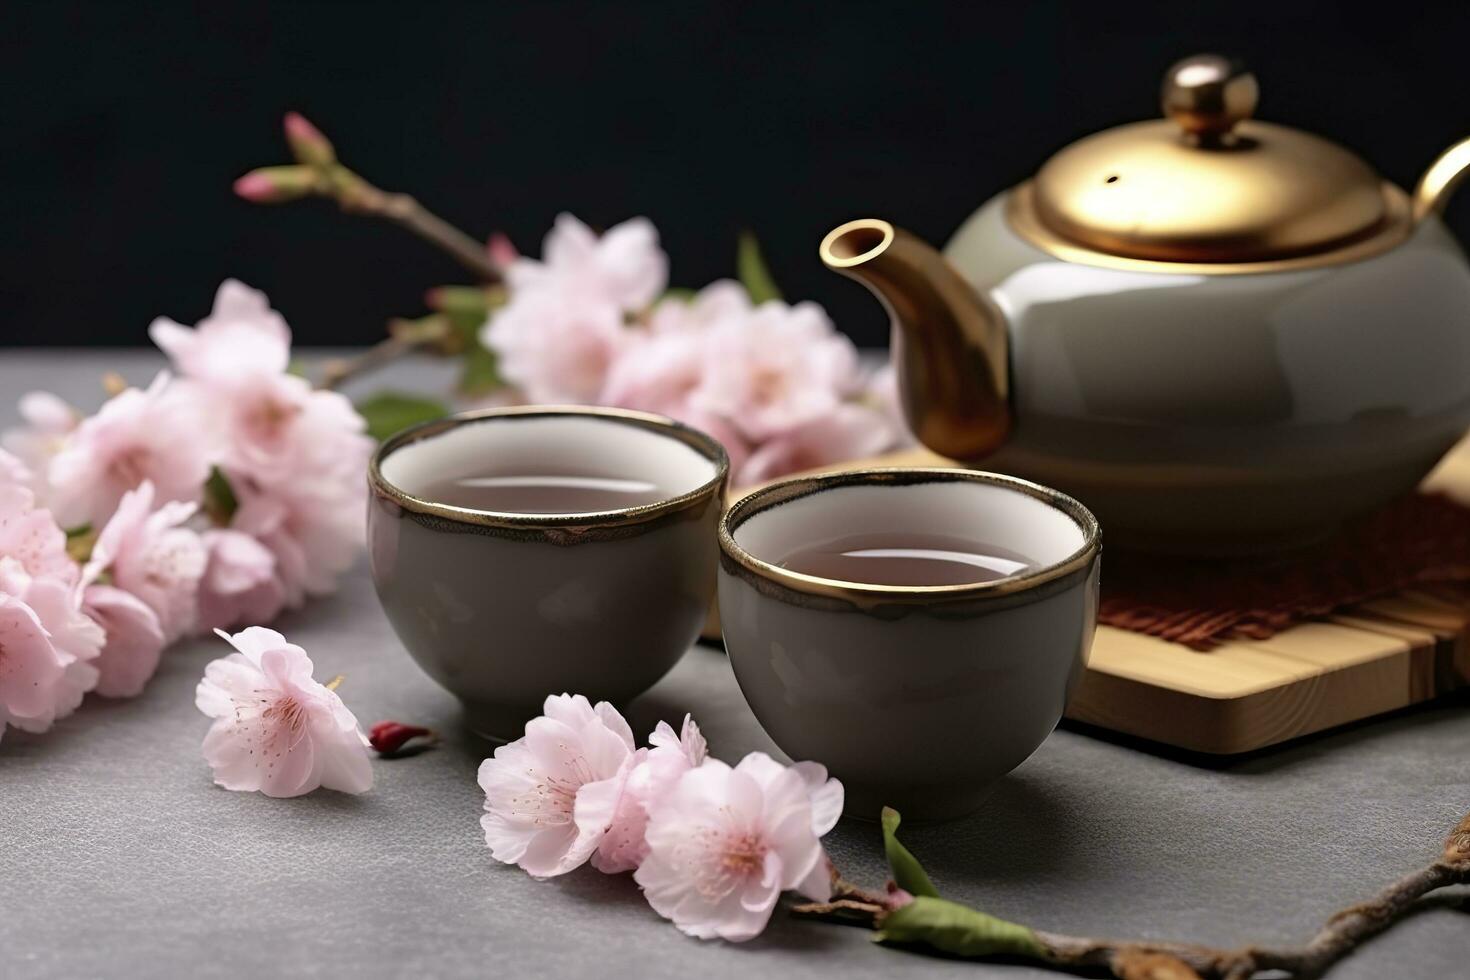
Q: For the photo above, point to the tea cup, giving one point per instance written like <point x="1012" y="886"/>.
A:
<point x="915" y="696"/>
<point x="504" y="608"/>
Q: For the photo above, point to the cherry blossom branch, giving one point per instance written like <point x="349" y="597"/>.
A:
<point x="1135" y="960"/>
<point x="404" y="337"/>
<point x="318" y="173"/>
<point x="357" y="196"/>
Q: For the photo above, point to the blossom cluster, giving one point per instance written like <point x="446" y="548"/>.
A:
<point x="593" y="322"/>
<point x="224" y="492"/>
<point x="711" y="845"/>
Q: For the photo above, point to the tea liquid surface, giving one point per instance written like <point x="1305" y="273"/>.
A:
<point x="906" y="558"/>
<point x="551" y="493"/>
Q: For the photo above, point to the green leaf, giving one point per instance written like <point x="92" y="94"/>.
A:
<point x="479" y="372"/>
<point x="681" y="293"/>
<point x="389" y="412"/>
<point x="220" y="502"/>
<point x="907" y="872"/>
<point x="958" y="930"/>
<point x="750" y="266"/>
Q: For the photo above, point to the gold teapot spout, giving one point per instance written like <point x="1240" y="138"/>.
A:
<point x="950" y="344"/>
<point x="1441" y="179"/>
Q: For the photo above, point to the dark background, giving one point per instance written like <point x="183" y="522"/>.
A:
<point x="125" y="124"/>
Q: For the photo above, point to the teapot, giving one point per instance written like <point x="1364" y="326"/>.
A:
<point x="1222" y="335"/>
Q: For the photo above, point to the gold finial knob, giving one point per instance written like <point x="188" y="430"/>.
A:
<point x="1207" y="95"/>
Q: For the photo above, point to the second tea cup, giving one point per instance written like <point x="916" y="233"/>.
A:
<point x="916" y="696"/>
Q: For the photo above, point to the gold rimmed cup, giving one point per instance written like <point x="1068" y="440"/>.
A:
<point x="917" y="697"/>
<point x="503" y="608"/>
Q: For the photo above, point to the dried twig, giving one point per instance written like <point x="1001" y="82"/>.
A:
<point x="1135" y="960"/>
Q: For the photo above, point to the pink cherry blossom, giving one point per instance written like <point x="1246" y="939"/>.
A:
<point x="662" y="373"/>
<point x="241" y="336"/>
<point x="663" y="369"/>
<point x="277" y="427"/>
<point x="826" y="794"/>
<point x="563" y="327"/>
<point x="148" y="554"/>
<point x="723" y="430"/>
<point x="134" y="642"/>
<point x="48" y="646"/>
<point x="725" y="843"/>
<point x="658" y="372"/>
<point x="13" y="472"/>
<point x="152" y="435"/>
<point x="624" y="268"/>
<point x="849" y="430"/>
<point x="274" y="425"/>
<point x="777" y="368"/>
<point x="239" y="583"/>
<point x="721" y="300"/>
<point x="31" y="536"/>
<point x="294" y="458"/>
<point x="551" y="795"/>
<point x="313" y="527"/>
<point x="47" y="422"/>
<point x="33" y="667"/>
<point x="275" y="728"/>
<point x="40" y="681"/>
<point x="556" y="346"/>
<point x="623" y="847"/>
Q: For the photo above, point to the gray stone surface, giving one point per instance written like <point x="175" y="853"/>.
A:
<point x="119" y="858"/>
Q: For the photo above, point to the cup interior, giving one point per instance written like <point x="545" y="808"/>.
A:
<point x="989" y="509"/>
<point x="575" y="444"/>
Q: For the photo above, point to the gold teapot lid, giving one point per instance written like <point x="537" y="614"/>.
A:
<point x="1209" y="184"/>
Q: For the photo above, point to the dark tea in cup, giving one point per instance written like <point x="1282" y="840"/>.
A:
<point x="906" y="558"/>
<point x="544" y="493"/>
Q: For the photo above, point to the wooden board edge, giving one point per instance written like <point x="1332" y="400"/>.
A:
<point x="1232" y="726"/>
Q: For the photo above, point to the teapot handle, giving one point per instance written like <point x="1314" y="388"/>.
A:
<point x="1440" y="180"/>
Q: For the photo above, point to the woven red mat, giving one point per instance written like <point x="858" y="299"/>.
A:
<point x="1420" y="539"/>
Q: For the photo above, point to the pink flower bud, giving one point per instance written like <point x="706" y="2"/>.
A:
<point x="307" y="142"/>
<point x="276" y="185"/>
<point x="501" y="251"/>
<point x="256" y="187"/>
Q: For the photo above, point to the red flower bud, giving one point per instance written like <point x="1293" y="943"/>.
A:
<point x="389" y="737"/>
